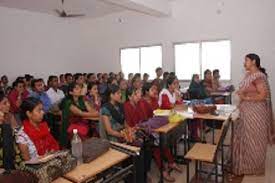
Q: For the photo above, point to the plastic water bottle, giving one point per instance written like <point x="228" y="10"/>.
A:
<point x="77" y="147"/>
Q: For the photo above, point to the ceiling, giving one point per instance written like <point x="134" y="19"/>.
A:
<point x="91" y="8"/>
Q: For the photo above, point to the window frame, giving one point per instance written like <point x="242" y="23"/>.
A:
<point x="139" y="47"/>
<point x="200" y="47"/>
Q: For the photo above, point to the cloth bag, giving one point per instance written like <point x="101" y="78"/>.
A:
<point x="54" y="168"/>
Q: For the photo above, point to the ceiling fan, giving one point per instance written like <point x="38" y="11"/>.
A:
<point x="62" y="13"/>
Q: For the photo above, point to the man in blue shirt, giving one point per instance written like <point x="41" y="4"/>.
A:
<point x="38" y="91"/>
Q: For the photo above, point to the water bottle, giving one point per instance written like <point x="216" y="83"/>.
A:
<point x="77" y="147"/>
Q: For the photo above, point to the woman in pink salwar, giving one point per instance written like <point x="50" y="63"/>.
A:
<point x="254" y="129"/>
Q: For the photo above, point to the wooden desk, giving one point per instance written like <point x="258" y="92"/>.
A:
<point x="224" y="94"/>
<point x="61" y="180"/>
<point x="164" y="132"/>
<point x="227" y="96"/>
<point x="128" y="147"/>
<point x="211" y="117"/>
<point x="87" y="172"/>
<point x="168" y="127"/>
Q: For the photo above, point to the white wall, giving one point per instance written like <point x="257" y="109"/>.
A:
<point x="38" y="44"/>
<point x="249" y="24"/>
<point x="45" y="44"/>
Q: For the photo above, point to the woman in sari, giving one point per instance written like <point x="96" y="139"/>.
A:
<point x="254" y="129"/>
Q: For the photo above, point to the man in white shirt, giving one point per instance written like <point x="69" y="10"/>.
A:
<point x="56" y="95"/>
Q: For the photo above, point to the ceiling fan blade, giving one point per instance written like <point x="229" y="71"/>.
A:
<point x="58" y="11"/>
<point x="75" y="15"/>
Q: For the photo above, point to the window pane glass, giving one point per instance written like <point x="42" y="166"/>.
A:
<point x="187" y="60"/>
<point x="151" y="58"/>
<point x="217" y="55"/>
<point x="129" y="59"/>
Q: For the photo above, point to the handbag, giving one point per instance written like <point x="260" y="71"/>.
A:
<point x="93" y="148"/>
<point x="54" y="168"/>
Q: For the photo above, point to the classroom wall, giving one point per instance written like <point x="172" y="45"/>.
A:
<point x="52" y="45"/>
<point x="37" y="43"/>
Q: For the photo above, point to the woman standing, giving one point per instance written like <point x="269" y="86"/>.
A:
<point x="254" y="129"/>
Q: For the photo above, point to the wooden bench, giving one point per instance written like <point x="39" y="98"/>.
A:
<point x="89" y="171"/>
<point x="208" y="153"/>
<point x="61" y="180"/>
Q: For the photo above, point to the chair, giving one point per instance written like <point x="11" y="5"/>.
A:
<point x="208" y="153"/>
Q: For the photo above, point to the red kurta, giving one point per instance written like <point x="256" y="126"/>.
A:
<point x="148" y="107"/>
<point x="133" y="114"/>
<point x="41" y="137"/>
<point x="166" y="103"/>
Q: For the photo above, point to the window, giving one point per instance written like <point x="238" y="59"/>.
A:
<point x="195" y="58"/>
<point x="141" y="60"/>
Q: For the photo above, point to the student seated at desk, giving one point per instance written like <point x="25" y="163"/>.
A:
<point x="148" y="104"/>
<point x="217" y="85"/>
<point x="68" y="80"/>
<point x="168" y="97"/>
<point x="75" y="111"/>
<point x="145" y="78"/>
<point x="16" y="96"/>
<point x="10" y="157"/>
<point x="133" y="114"/>
<point x="129" y="81"/>
<point x="38" y="91"/>
<point x="196" y="89"/>
<point x="112" y="116"/>
<point x="123" y="88"/>
<point x="80" y="80"/>
<point x="93" y="97"/>
<point x="56" y="96"/>
<point x="34" y="138"/>
<point x="28" y="80"/>
<point x="158" y="81"/>
<point x="136" y="82"/>
<point x="216" y="80"/>
<point x="207" y="82"/>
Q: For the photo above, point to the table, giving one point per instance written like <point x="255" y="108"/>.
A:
<point x="88" y="172"/>
<point x="126" y="147"/>
<point x="165" y="130"/>
<point x="166" y="133"/>
<point x="227" y="95"/>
